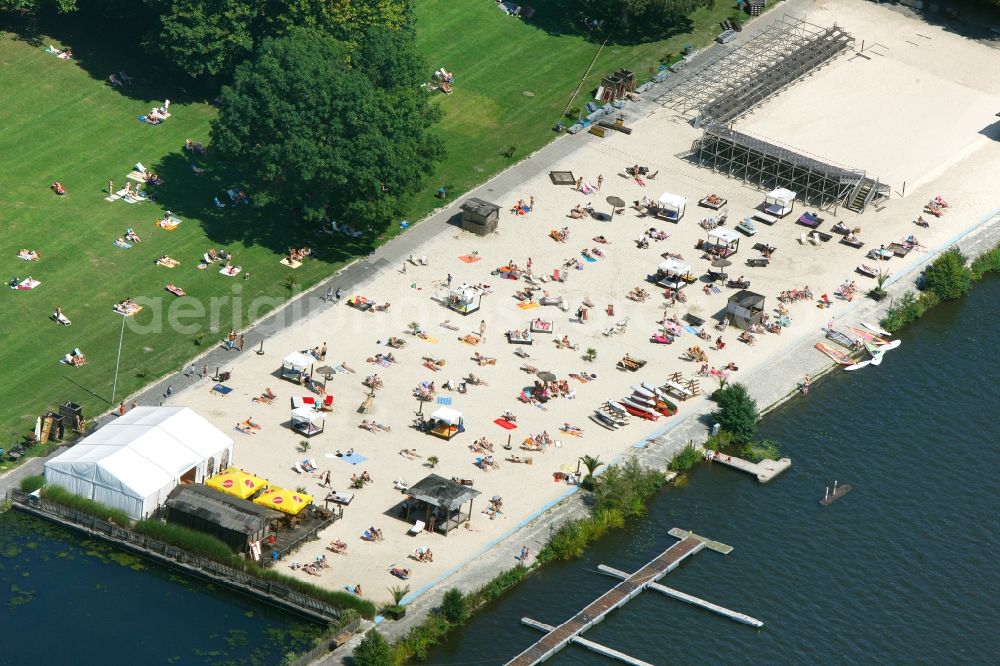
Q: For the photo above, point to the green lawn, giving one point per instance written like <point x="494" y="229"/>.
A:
<point x="497" y="58"/>
<point x="60" y="121"/>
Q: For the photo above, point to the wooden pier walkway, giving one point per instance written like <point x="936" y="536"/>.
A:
<point x="614" y="598"/>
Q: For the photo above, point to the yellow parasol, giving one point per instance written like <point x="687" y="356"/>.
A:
<point x="234" y="481"/>
<point x="282" y="499"/>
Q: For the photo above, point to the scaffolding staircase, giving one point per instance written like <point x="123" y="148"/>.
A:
<point x="864" y="193"/>
<point x="756" y="7"/>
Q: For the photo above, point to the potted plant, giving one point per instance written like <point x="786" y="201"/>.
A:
<point x="396" y="611"/>
<point x="878" y="293"/>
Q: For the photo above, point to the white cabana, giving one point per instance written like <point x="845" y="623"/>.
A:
<point x="779" y="202"/>
<point x="671" y="206"/>
<point x="135" y="461"/>
<point x="723" y="242"/>
<point x="295" y="366"/>
<point x="670" y="273"/>
<point x="446" y="422"/>
<point x="464" y="299"/>
<point x="307" y="421"/>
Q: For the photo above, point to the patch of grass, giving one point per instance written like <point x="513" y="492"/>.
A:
<point x="30" y="484"/>
<point x="90" y="507"/>
<point x="63" y="123"/>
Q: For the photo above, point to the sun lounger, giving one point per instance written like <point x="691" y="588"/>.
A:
<point x="417" y="528"/>
<point x="765" y="218"/>
<point x="343" y="499"/>
<point x="759" y="262"/>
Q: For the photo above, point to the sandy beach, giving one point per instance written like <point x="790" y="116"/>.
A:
<point x="928" y="115"/>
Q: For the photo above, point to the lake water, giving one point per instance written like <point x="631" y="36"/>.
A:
<point x="68" y="600"/>
<point x="901" y="570"/>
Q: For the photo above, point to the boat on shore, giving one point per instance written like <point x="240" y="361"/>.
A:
<point x="837" y="355"/>
<point x="840" y="338"/>
<point x="877" y="330"/>
<point x="867" y="336"/>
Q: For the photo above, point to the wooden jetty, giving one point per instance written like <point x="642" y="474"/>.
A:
<point x="838" y="492"/>
<point x="560" y="636"/>
<point x="689" y="599"/>
<point x="765" y="470"/>
<point x="721" y="548"/>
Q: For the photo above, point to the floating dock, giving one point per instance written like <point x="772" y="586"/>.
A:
<point x="556" y="638"/>
<point x="616" y="597"/>
<point x="838" y="492"/>
<point x="765" y="470"/>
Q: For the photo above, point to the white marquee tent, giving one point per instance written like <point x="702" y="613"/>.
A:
<point x="135" y="461"/>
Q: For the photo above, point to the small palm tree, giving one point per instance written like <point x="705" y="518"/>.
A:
<point x="303" y="446"/>
<point x="397" y="592"/>
<point x="591" y="463"/>
<point x="414" y="327"/>
<point x="432" y="461"/>
<point x="590" y="355"/>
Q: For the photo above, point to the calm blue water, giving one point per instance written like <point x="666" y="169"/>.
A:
<point x="66" y="600"/>
<point x="901" y="570"/>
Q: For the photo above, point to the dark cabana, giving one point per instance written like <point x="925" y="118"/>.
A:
<point x="438" y="502"/>
<point x="745" y="308"/>
<point x="235" y="521"/>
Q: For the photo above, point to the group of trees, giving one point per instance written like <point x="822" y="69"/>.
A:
<point x="321" y="111"/>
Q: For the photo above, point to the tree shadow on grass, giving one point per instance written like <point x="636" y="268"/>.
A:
<point x="105" y="42"/>
<point x="275" y="227"/>
<point x="577" y="17"/>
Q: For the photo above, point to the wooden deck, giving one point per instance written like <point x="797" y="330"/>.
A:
<point x="617" y="596"/>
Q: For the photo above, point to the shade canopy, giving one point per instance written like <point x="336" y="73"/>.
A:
<point x="674" y="267"/>
<point x="668" y="200"/>
<point x="447" y="415"/>
<point x="306" y="414"/>
<point x="236" y="482"/>
<point x="439" y="491"/>
<point x="781" y="195"/>
<point x="284" y="500"/>
<point x="297" y="361"/>
<point x="133" y="462"/>
<point x="724" y="235"/>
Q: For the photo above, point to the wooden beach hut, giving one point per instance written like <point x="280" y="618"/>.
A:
<point x="439" y="503"/>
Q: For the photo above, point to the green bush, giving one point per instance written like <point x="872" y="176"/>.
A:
<point x="765" y="449"/>
<point x="685" y="459"/>
<point x="30" y="484"/>
<point x="373" y="650"/>
<point x="626" y="487"/>
<point x="496" y="587"/>
<point x="908" y="308"/>
<point x="949" y="277"/>
<point x="66" y="498"/>
<point x="453" y="606"/>
<point x="987" y="262"/>
<point x="737" y="412"/>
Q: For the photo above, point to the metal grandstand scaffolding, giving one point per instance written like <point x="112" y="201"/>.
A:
<point x="740" y="79"/>
<point x="769" y="165"/>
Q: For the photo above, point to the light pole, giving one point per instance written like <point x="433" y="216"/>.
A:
<point x="118" y="363"/>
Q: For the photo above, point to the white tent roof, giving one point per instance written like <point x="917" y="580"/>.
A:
<point x="674" y="266"/>
<point x="781" y="194"/>
<point x="132" y="462"/>
<point x="298" y="360"/>
<point x="724" y="234"/>
<point x="307" y="414"/>
<point x="447" y="415"/>
<point x="673" y="200"/>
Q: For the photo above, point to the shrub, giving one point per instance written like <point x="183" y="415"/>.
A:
<point x="453" y="606"/>
<point x="758" y="451"/>
<point x="685" y="459"/>
<point x="30" y="484"/>
<point x="949" y="277"/>
<point x="625" y="488"/>
<point x="909" y="308"/>
<point x="373" y="650"/>
<point x="420" y="639"/>
<point x="737" y="413"/>
<point x="496" y="587"/>
<point x="987" y="262"/>
<point x="191" y="540"/>
<point x="66" y="498"/>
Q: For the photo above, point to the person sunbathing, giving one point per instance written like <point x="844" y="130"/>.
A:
<point x="337" y="546"/>
<point x="747" y="338"/>
<point x="174" y="289"/>
<point x="400" y="572"/>
<point x="58" y="188"/>
<point x="423" y="554"/>
<point x="577" y="212"/>
<point x="131" y="236"/>
<point x="713" y="199"/>
<point x="77" y="358"/>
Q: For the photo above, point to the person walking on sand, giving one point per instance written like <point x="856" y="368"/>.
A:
<point x="531" y="203"/>
<point x="482" y="329"/>
<point x="600" y="181"/>
<point x="579" y="183"/>
<point x="322" y="352"/>
<point x="448" y="281"/>
<point x="329" y="294"/>
<point x="243" y="341"/>
<point x="524" y="554"/>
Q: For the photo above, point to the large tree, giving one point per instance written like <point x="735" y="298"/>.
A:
<point x="338" y="132"/>
<point x="211" y="37"/>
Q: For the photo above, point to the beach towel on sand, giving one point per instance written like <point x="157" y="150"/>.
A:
<point x="505" y="424"/>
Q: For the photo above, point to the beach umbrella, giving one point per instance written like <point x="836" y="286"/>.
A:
<point x="284" y="500"/>
<point x="326" y="371"/>
<point x="546" y="376"/>
<point x="616" y="202"/>
<point x="234" y="481"/>
<point x="722" y="263"/>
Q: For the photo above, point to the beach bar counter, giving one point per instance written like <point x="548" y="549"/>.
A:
<point x="464" y="299"/>
<point x="295" y="367"/>
<point x="446" y="423"/>
<point x="439" y="503"/>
